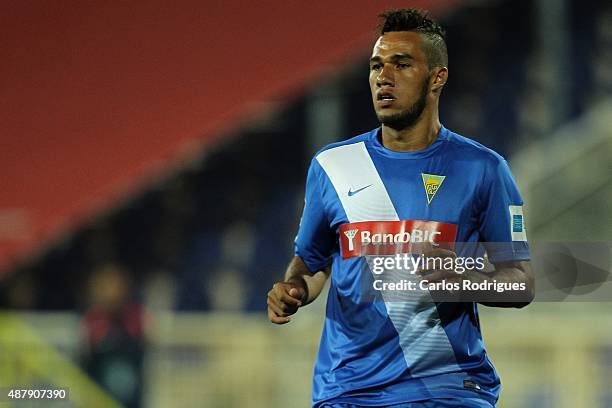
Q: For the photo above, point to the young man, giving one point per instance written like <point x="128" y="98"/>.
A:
<point x="410" y="178"/>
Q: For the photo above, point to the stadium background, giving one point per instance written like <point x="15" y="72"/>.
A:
<point x="153" y="159"/>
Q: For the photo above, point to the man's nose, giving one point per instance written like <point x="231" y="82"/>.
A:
<point x="385" y="77"/>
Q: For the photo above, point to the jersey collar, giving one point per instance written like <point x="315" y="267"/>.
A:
<point x="428" y="151"/>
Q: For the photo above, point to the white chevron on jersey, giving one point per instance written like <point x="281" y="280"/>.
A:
<point x="350" y="168"/>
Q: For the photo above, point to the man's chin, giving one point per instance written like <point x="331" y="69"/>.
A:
<point x="384" y="117"/>
<point x="399" y="120"/>
<point x="387" y="117"/>
<point x="393" y="121"/>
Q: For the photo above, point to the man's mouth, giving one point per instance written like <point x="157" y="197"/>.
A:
<point x="385" y="96"/>
<point x="385" y="99"/>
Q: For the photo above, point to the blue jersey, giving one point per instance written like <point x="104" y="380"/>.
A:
<point x="376" y="351"/>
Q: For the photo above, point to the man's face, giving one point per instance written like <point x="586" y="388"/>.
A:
<point x="399" y="79"/>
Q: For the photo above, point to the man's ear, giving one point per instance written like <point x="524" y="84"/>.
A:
<point x="438" y="79"/>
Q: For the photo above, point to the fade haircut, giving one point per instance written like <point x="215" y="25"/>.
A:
<point x="434" y="37"/>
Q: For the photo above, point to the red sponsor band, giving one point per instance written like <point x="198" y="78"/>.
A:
<point x="394" y="237"/>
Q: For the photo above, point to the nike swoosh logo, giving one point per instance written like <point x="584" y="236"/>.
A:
<point x="352" y="193"/>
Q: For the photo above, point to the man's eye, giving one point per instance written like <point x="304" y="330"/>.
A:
<point x="375" y="67"/>
<point x="403" y="66"/>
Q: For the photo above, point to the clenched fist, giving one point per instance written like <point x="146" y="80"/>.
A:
<point x="285" y="298"/>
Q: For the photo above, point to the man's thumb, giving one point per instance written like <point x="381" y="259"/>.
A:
<point x="297" y="293"/>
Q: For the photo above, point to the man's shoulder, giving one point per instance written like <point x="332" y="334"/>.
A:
<point x="471" y="149"/>
<point x="347" y="142"/>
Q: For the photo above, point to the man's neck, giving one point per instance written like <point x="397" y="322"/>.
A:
<point x="418" y="137"/>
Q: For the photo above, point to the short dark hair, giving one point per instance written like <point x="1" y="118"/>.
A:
<point x="418" y="21"/>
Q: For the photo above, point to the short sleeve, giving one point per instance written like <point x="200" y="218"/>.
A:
<point x="315" y="241"/>
<point x="502" y="225"/>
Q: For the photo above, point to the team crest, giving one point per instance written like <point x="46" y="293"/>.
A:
<point x="432" y="184"/>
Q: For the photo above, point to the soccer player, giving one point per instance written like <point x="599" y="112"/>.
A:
<point x="415" y="179"/>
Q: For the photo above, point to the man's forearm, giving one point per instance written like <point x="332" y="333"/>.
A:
<point x="510" y="272"/>
<point x="297" y="271"/>
<point x="313" y="283"/>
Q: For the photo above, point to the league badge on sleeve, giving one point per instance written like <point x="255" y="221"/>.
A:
<point x="517" y="223"/>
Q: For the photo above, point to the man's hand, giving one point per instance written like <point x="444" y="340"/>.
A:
<point x="443" y="263"/>
<point x="299" y="288"/>
<point x="285" y="298"/>
<point x="437" y="275"/>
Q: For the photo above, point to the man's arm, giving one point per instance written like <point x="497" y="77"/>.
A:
<point x="509" y="272"/>
<point x="299" y="288"/>
<point x="505" y="272"/>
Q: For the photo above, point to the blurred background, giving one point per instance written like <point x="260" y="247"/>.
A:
<point x="153" y="160"/>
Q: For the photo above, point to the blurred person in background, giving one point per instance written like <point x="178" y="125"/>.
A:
<point x="114" y="335"/>
<point x="403" y="354"/>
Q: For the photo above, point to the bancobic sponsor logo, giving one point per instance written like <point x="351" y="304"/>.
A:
<point x="390" y="237"/>
<point x="369" y="238"/>
<point x="416" y="235"/>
